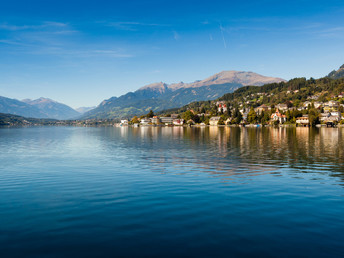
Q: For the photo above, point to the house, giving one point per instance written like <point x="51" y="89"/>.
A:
<point x="331" y="106"/>
<point x="145" y="121"/>
<point x="190" y="122"/>
<point x="228" y="121"/>
<point x="282" y="107"/>
<point x="221" y="106"/>
<point x="166" y="120"/>
<point x="331" y="117"/>
<point x="156" y="120"/>
<point x="174" y="116"/>
<point x="261" y="109"/>
<point x="324" y="116"/>
<point x="303" y="120"/>
<point x="124" y="122"/>
<point x="307" y="103"/>
<point x="317" y="104"/>
<point x="203" y="114"/>
<point x="178" y="121"/>
<point x="277" y="116"/>
<point x="214" y="120"/>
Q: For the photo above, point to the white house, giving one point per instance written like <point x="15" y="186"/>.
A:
<point x="214" y="120"/>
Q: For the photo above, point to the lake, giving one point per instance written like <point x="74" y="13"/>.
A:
<point x="92" y="192"/>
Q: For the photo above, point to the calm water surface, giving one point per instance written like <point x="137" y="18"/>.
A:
<point x="90" y="192"/>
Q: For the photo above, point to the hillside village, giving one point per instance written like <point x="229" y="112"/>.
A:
<point x="309" y="113"/>
<point x="299" y="102"/>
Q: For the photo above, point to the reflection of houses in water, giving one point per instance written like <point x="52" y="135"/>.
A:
<point x="331" y="138"/>
<point x="228" y="151"/>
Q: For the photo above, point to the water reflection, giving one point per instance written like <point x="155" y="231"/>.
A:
<point x="232" y="151"/>
<point x="132" y="192"/>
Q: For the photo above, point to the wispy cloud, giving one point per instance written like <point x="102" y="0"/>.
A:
<point x="332" y="32"/>
<point x="54" y="39"/>
<point x="83" y="53"/>
<point x="109" y="53"/>
<point x="44" y="25"/>
<point x="131" y="25"/>
<point x="223" y="36"/>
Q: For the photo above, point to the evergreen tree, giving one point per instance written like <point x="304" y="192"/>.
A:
<point x="150" y="114"/>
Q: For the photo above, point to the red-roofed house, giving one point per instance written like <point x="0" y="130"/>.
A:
<point x="277" y="116"/>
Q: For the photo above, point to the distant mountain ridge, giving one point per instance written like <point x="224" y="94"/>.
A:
<point x="16" y="107"/>
<point x="336" y="74"/>
<point x="160" y="96"/>
<point x="39" y="108"/>
<point x="53" y="109"/>
<point x="83" y="110"/>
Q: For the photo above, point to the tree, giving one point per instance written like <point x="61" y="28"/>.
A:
<point x="265" y="117"/>
<point x="252" y="116"/>
<point x="135" y="120"/>
<point x="187" y="115"/>
<point x="313" y="117"/>
<point x="341" y="109"/>
<point x="150" y="114"/>
<point x="229" y="112"/>
<point x="221" y="122"/>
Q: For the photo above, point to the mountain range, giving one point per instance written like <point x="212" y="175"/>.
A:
<point x="39" y="108"/>
<point x="157" y="97"/>
<point x="160" y="96"/>
<point x="336" y="74"/>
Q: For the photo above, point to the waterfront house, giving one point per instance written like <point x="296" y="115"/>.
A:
<point x="190" y="122"/>
<point x="228" y="121"/>
<point x="166" y="120"/>
<point x="145" y="121"/>
<point x="178" y="121"/>
<point x="277" y="116"/>
<point x="331" y="117"/>
<point x="214" y="120"/>
<point x="303" y="120"/>
<point x="324" y="116"/>
<point x="124" y="122"/>
<point x="155" y="120"/>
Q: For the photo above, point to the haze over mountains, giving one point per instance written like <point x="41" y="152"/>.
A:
<point x="160" y="96"/>
<point x="53" y="109"/>
<point x="39" y="108"/>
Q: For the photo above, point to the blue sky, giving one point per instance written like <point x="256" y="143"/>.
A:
<point x="82" y="52"/>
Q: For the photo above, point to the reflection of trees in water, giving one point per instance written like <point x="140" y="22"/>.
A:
<point x="231" y="150"/>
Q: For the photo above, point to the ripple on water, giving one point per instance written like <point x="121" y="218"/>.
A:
<point x="68" y="191"/>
